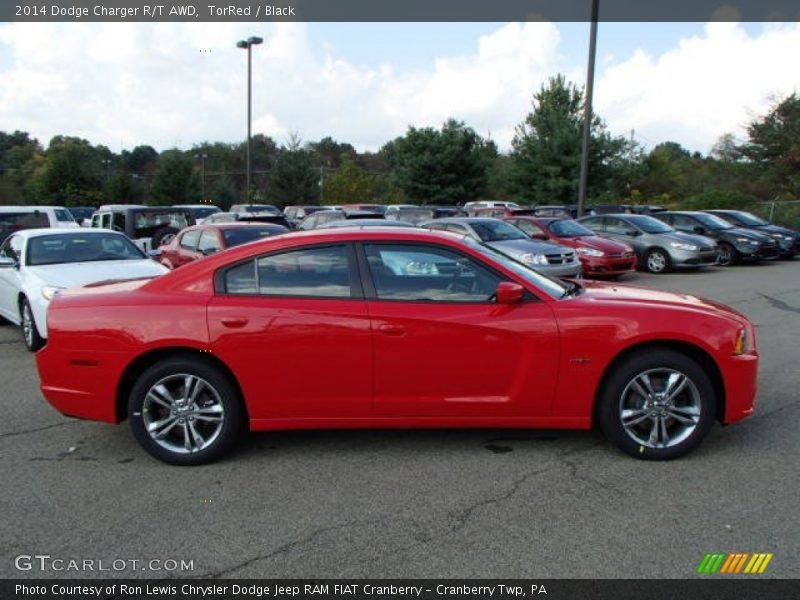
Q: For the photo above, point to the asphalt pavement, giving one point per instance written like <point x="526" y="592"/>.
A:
<point x="479" y="503"/>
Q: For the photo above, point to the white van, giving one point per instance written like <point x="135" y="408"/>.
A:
<point x="16" y="218"/>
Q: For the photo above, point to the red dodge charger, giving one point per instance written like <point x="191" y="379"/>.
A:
<point x="445" y="332"/>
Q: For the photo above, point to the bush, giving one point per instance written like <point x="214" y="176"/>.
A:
<point x="723" y="199"/>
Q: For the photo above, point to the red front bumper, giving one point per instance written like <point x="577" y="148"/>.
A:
<point x="740" y="376"/>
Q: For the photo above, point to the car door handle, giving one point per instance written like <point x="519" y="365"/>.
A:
<point x="393" y="330"/>
<point x="234" y="322"/>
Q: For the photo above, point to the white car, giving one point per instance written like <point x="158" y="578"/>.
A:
<point x="36" y="264"/>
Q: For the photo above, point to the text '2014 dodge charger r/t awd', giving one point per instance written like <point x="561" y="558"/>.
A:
<point x="446" y="332"/>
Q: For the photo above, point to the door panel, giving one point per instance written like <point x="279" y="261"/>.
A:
<point x="293" y="327"/>
<point x="296" y="357"/>
<point x="455" y="360"/>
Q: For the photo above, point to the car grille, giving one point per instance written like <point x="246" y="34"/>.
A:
<point x="706" y="248"/>
<point x="561" y="259"/>
<point x="621" y="255"/>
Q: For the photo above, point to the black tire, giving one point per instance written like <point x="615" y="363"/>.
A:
<point x="163" y="236"/>
<point x="727" y="255"/>
<point x="656" y="261"/>
<point x="30" y="332"/>
<point x="619" y="392"/>
<point x="179" y="426"/>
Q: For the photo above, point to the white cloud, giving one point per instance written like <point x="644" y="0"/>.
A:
<point x="706" y="86"/>
<point x="166" y="84"/>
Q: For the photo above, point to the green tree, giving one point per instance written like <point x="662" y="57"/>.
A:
<point x="547" y="150"/>
<point x="331" y="154"/>
<point x="349" y="183"/>
<point x="71" y="173"/>
<point x="175" y="180"/>
<point x="440" y="166"/>
<point x="294" y="179"/>
<point x="774" y="145"/>
<point x="124" y="188"/>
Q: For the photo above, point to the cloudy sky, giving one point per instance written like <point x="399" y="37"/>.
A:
<point x="123" y="84"/>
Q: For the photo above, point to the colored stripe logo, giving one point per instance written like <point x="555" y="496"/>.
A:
<point x="734" y="563"/>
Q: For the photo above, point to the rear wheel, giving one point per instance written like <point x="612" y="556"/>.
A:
<point x="657" y="405"/>
<point x="30" y="333"/>
<point x="185" y="412"/>
<point x="656" y="261"/>
<point x="726" y="255"/>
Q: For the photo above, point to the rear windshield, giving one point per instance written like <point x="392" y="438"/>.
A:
<point x="205" y="211"/>
<point x="243" y="235"/>
<point x="257" y="208"/>
<point x="80" y="247"/>
<point x="145" y="224"/>
<point x="81" y="213"/>
<point x="63" y="215"/>
<point x="11" y="222"/>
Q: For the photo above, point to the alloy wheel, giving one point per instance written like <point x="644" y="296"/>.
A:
<point x="183" y="413"/>
<point x="27" y="324"/>
<point x="725" y="255"/>
<point x="660" y="408"/>
<point x="656" y="262"/>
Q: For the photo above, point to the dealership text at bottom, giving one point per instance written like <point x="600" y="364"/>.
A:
<point x="194" y="590"/>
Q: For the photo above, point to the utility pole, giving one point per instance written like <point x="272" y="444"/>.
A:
<point x="321" y="186"/>
<point x="202" y="158"/>
<point x="587" y="118"/>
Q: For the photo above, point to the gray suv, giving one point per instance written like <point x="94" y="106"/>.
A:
<point x="659" y="248"/>
<point x="545" y="257"/>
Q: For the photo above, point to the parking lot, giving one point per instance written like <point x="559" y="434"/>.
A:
<point x="483" y="503"/>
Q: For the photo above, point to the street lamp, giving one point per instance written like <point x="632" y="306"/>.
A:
<point x="247" y="45"/>
<point x="107" y="163"/>
<point x="202" y="158"/>
<point x="587" y="109"/>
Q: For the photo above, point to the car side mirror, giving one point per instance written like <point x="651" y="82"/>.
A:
<point x="509" y="292"/>
<point x="632" y="232"/>
<point x="7" y="263"/>
<point x="540" y="236"/>
<point x="699" y="229"/>
<point x="209" y="251"/>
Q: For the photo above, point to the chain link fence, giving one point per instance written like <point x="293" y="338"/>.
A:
<point x="780" y="212"/>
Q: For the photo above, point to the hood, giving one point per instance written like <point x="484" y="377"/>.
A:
<point x="749" y="234"/>
<point x="81" y="273"/>
<point x="689" y="238"/>
<point x="523" y="246"/>
<point x="596" y="291"/>
<point x="767" y="229"/>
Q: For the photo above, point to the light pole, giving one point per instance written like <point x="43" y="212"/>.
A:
<point x="248" y="45"/>
<point x="107" y="163"/>
<point x="587" y="109"/>
<point x="202" y="158"/>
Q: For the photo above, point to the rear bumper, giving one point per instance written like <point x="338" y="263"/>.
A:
<point x="740" y="376"/>
<point x="78" y="384"/>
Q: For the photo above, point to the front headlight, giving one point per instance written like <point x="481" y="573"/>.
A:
<point x="747" y="241"/>
<point x="533" y="259"/>
<point x="680" y="246"/>
<point x="590" y="252"/>
<point x="50" y="292"/>
<point x="780" y="236"/>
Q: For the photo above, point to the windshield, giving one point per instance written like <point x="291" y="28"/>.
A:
<point x="750" y="219"/>
<point x="713" y="222"/>
<point x="80" y="247"/>
<point x="145" y="224"/>
<point x="497" y="231"/>
<point x="81" y="213"/>
<point x="243" y="235"/>
<point x="256" y="208"/>
<point x="551" y="286"/>
<point x="568" y="228"/>
<point x="649" y="224"/>
<point x="205" y="211"/>
<point x="414" y="215"/>
<point x="63" y="215"/>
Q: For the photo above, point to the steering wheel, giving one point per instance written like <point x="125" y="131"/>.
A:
<point x="459" y="286"/>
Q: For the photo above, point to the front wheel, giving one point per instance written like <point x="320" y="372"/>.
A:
<point x="657" y="405"/>
<point x="726" y="255"/>
<point x="656" y="261"/>
<point x="30" y="332"/>
<point x="185" y="411"/>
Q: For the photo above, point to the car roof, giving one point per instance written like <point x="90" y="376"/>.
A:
<point x="235" y="225"/>
<point x="41" y="231"/>
<point x="385" y="223"/>
<point x="24" y="207"/>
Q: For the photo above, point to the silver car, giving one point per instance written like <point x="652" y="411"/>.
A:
<point x="545" y="257"/>
<point x="659" y="248"/>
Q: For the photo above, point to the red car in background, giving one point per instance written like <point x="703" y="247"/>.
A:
<point x="202" y="240"/>
<point x="600" y="257"/>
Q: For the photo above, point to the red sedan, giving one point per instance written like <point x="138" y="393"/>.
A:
<point x="446" y="332"/>
<point x="201" y="240"/>
<point x="600" y="257"/>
